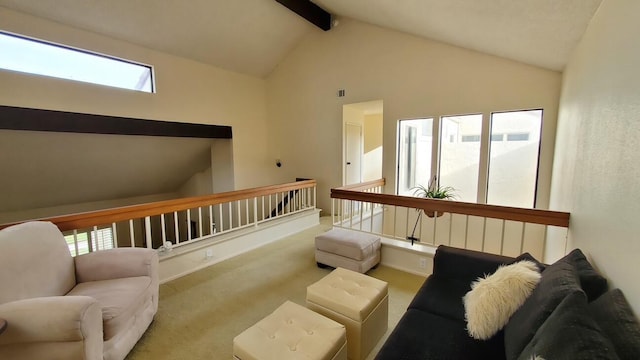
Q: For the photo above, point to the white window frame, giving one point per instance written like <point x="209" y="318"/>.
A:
<point x="94" y="61"/>
<point x="485" y="139"/>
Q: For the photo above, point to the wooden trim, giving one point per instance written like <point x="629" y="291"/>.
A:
<point x="536" y="216"/>
<point x="17" y="118"/>
<point x="108" y="216"/>
<point x="364" y="186"/>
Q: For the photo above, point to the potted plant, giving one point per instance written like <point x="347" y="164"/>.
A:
<point x="432" y="191"/>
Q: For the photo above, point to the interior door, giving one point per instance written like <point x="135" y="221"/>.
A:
<point x="353" y="154"/>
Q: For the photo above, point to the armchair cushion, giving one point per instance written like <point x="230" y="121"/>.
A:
<point x="118" y="298"/>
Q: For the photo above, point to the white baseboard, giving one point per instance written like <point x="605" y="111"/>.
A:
<point x="187" y="259"/>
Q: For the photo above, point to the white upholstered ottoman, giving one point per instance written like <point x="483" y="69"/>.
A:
<point x="292" y="332"/>
<point x="357" y="301"/>
<point x="349" y="249"/>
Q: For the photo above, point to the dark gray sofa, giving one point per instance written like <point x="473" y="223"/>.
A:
<point x="569" y="315"/>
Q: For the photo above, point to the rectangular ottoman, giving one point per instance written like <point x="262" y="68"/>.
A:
<point x="292" y="332"/>
<point x="353" y="250"/>
<point x="358" y="301"/>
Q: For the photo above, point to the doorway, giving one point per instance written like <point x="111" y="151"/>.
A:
<point x="362" y="141"/>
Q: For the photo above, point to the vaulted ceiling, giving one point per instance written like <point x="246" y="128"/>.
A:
<point x="253" y="36"/>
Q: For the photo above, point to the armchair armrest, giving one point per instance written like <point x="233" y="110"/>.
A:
<point x="53" y="319"/>
<point x="465" y="265"/>
<point x="116" y="264"/>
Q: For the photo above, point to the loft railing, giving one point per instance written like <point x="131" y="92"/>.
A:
<point x="489" y="228"/>
<point x="175" y="223"/>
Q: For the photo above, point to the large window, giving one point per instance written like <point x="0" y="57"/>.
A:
<point x="513" y="158"/>
<point x="415" y="143"/>
<point x="487" y="159"/>
<point x="42" y="58"/>
<point x="460" y="154"/>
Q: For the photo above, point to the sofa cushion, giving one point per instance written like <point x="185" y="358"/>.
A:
<point x="422" y="335"/>
<point x="614" y="316"/>
<point x="465" y="265"/>
<point x="570" y="333"/>
<point x="592" y="283"/>
<point x="493" y="299"/>
<point x="442" y="296"/>
<point x="558" y="281"/>
<point x="120" y="300"/>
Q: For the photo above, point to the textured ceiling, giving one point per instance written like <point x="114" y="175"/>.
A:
<point x="253" y="36"/>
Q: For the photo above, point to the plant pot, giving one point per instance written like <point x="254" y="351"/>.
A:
<point x="433" y="214"/>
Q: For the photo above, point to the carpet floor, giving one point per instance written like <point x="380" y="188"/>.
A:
<point x="200" y="314"/>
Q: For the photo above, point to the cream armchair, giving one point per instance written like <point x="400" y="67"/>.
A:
<point x="93" y="306"/>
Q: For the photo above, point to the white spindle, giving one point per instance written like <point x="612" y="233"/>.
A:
<point x="238" y="210"/>
<point x="230" y="215"/>
<point x="95" y="236"/>
<point x="147" y="230"/>
<point x="255" y="211"/>
<point x="246" y="210"/>
<point x="188" y="224"/>
<point x="395" y="216"/>
<point x="114" y="234"/>
<point x="200" y="234"/>
<point x="502" y="238"/>
<point x="176" y="227"/>
<point x="132" y="233"/>
<point x="450" y="228"/>
<point x="466" y="230"/>
<point x="360" y="207"/>
<point x="406" y="226"/>
<point x="484" y="232"/>
<point x="221" y="219"/>
<point x="211" y="222"/>
<point x="162" y="229"/>
<point x="524" y="224"/>
<point x="75" y="241"/>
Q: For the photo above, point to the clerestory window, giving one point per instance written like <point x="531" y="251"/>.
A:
<point x="38" y="57"/>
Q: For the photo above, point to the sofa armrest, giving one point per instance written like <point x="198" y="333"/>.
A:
<point x="117" y="264"/>
<point x="465" y="265"/>
<point x="53" y="319"/>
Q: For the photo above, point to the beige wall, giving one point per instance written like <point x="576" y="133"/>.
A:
<point x="187" y="91"/>
<point x="372" y="159"/>
<point x="597" y="164"/>
<point x="414" y="77"/>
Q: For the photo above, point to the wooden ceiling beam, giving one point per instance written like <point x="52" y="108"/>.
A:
<point x="310" y="11"/>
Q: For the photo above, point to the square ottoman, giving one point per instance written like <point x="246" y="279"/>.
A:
<point x="358" y="301"/>
<point x="349" y="249"/>
<point x="292" y="332"/>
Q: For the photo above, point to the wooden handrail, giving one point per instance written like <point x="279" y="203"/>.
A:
<point x="536" y="216"/>
<point x="364" y="186"/>
<point x="108" y="216"/>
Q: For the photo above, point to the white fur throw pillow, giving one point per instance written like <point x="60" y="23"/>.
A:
<point x="494" y="298"/>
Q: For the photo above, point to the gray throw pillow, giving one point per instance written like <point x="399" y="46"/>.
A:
<point x="614" y="316"/>
<point x="558" y="281"/>
<point x="570" y="334"/>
